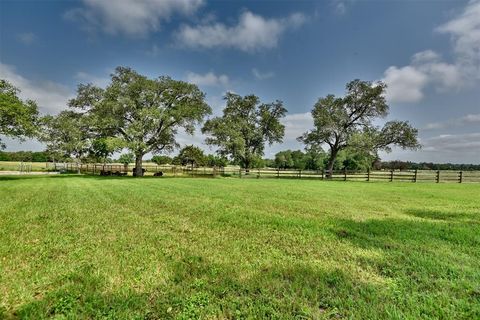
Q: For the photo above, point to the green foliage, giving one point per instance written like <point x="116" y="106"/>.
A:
<point x="101" y="148"/>
<point x="18" y="118"/>
<point x="161" y="160"/>
<point x="244" y="128"/>
<point x="121" y="248"/>
<point x="216" y="161"/>
<point x="191" y="155"/>
<point x="126" y="158"/>
<point x="312" y="159"/>
<point x="30" y="156"/>
<point x="347" y="122"/>
<point x="144" y="114"/>
<point x="67" y="134"/>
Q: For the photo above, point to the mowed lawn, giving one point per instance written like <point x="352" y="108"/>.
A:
<point x="74" y="247"/>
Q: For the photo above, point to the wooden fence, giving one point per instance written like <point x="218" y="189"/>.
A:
<point x="436" y="176"/>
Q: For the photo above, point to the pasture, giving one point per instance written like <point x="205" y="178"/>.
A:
<point x="93" y="247"/>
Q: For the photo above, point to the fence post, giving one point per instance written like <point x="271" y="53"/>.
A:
<point x="344" y="174"/>
<point x="460" y="177"/>
<point x="278" y="173"/>
<point x="240" y="173"/>
<point x="391" y="175"/>
<point x="415" y="176"/>
<point x="438" y="176"/>
<point x="300" y="174"/>
<point x="368" y="174"/>
<point x="323" y="174"/>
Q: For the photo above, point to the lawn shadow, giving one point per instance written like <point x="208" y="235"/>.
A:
<point x="451" y="216"/>
<point x="200" y="289"/>
<point x="432" y="257"/>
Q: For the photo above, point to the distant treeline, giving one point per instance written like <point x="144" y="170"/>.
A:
<point x="407" y="165"/>
<point x="28" y="156"/>
<point x="288" y="159"/>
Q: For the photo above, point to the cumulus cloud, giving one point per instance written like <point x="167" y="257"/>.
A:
<point x="405" y="84"/>
<point x="86" y="77"/>
<point x="252" y="32"/>
<point x="470" y="119"/>
<point x="427" y="68"/>
<point x="133" y="18"/>
<point x="27" y="38"/>
<point x="454" y="143"/>
<point x="262" y="75"/>
<point x="208" y="79"/>
<point x="51" y="97"/>
<point x="296" y="124"/>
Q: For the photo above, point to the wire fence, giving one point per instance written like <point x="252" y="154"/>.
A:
<point x="416" y="176"/>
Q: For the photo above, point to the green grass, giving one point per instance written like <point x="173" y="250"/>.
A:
<point x="122" y="248"/>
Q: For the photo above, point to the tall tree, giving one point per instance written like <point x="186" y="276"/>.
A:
<point x="18" y="118"/>
<point x="347" y="122"/>
<point x="245" y="127"/>
<point x="145" y="114"/>
<point x="191" y="155"/>
<point x="66" y="134"/>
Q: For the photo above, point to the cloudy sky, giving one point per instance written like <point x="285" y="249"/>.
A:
<point x="428" y="52"/>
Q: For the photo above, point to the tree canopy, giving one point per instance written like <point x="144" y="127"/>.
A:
<point x="66" y="134"/>
<point x="18" y="118"/>
<point x="245" y="127"/>
<point x="144" y="114"/>
<point x="347" y="122"/>
<point x="191" y="155"/>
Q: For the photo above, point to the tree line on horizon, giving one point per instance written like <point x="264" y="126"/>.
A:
<point x="283" y="160"/>
<point x="144" y="115"/>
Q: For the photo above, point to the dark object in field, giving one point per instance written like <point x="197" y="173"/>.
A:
<point x="118" y="173"/>
<point x="135" y="173"/>
<point x="105" y="172"/>
<point x="158" y="174"/>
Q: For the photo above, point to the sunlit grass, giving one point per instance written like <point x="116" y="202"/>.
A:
<point x="93" y="247"/>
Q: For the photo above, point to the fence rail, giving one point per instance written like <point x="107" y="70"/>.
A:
<point x="435" y="176"/>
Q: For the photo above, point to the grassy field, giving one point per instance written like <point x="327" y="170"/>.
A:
<point x="123" y="248"/>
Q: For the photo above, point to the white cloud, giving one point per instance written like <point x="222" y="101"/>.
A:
<point x="296" y="124"/>
<point x="251" y="33"/>
<point x="470" y="119"/>
<point x="209" y="79"/>
<point x="453" y="143"/>
<point x="407" y="84"/>
<point x="133" y="18"/>
<point x="27" y="38"/>
<point x="340" y="6"/>
<point x="86" y="77"/>
<point x="465" y="33"/>
<point x="262" y="75"/>
<point x="404" y="84"/>
<point x="51" y="97"/>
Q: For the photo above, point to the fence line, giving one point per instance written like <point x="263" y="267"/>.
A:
<point x="435" y="176"/>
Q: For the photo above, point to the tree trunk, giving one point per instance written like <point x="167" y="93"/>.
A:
<point x="138" y="165"/>
<point x="331" y="162"/>
<point x="246" y="164"/>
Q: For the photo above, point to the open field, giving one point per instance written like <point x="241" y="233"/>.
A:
<point x="105" y="247"/>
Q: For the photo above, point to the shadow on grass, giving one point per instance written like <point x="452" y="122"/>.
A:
<point x="199" y="289"/>
<point x="451" y="216"/>
<point x="435" y="261"/>
<point x="425" y="284"/>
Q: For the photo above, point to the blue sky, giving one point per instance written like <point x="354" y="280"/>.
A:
<point x="428" y="52"/>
